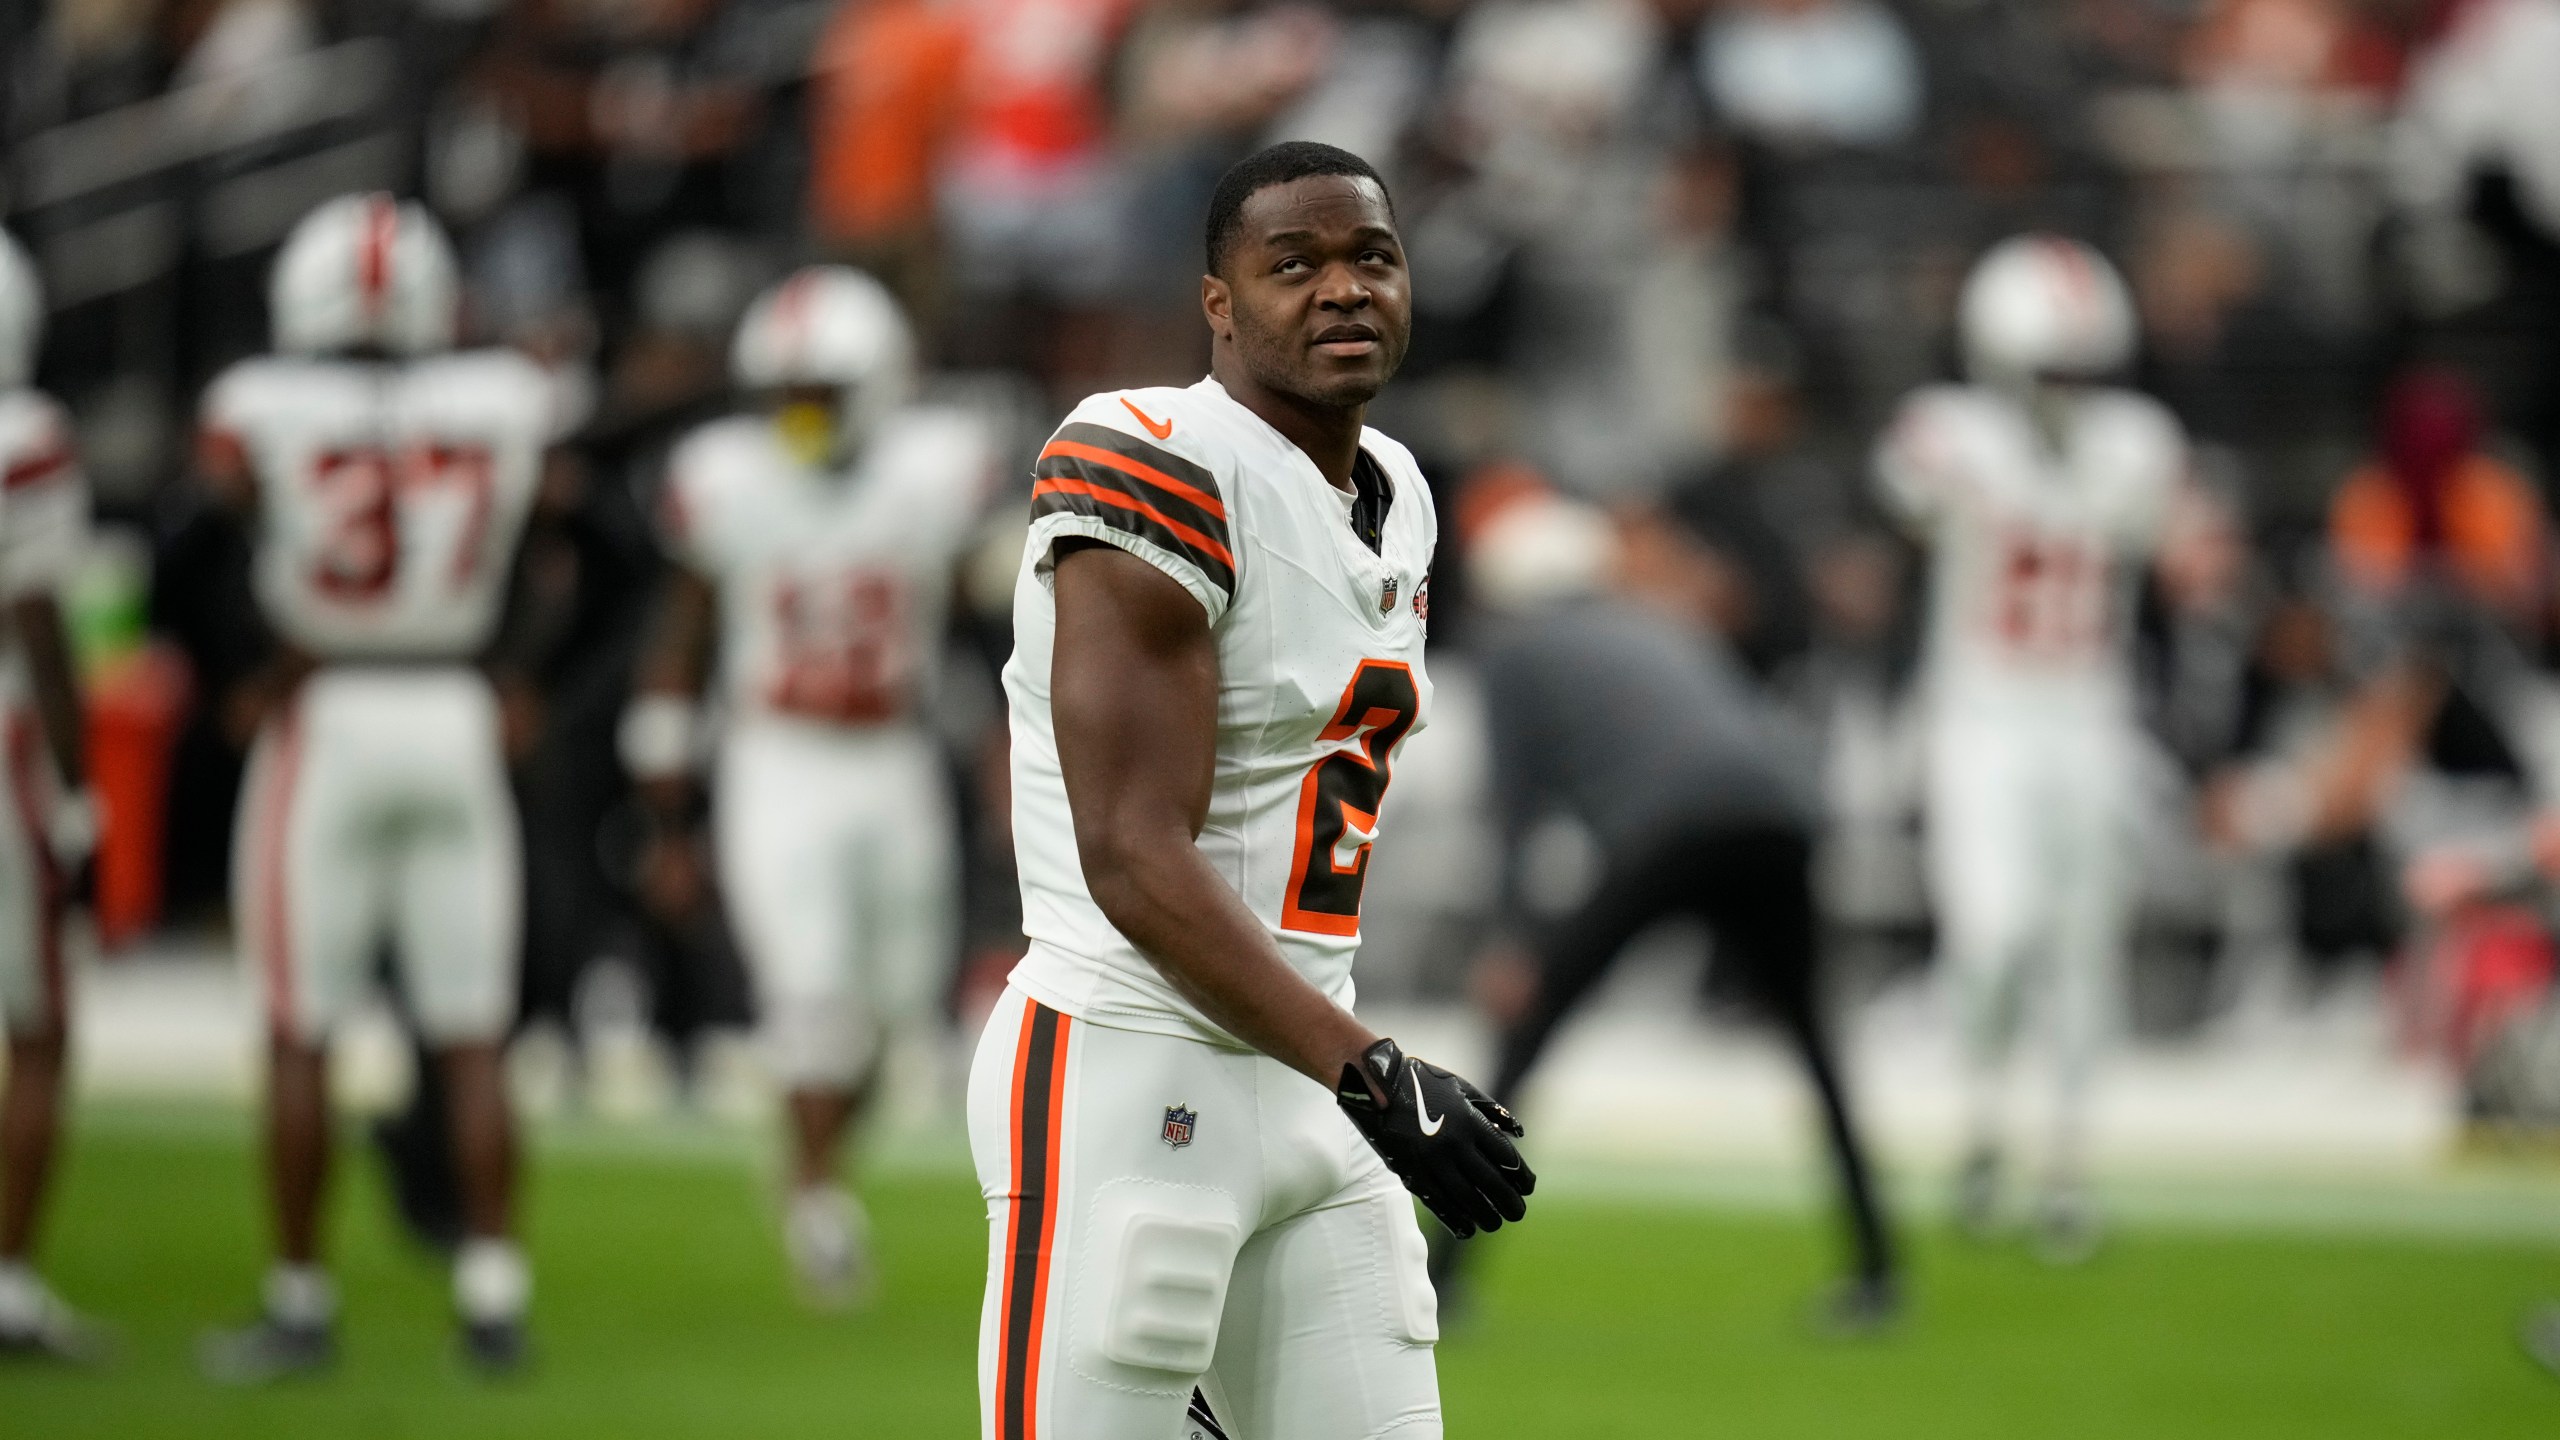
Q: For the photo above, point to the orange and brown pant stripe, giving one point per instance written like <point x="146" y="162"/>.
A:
<point x="1039" y="1096"/>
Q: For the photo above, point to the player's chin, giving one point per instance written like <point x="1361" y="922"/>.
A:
<point x="1341" y="386"/>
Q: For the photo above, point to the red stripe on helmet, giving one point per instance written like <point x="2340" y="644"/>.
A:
<point x="791" y="318"/>
<point x="373" y="251"/>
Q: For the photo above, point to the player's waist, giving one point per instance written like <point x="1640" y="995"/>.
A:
<point x="1081" y="964"/>
<point x="385" y="684"/>
<point x="1955" y="680"/>
<point x="396" y="662"/>
<point x="905" y="738"/>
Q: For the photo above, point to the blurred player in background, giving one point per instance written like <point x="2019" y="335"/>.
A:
<point x="817" y="541"/>
<point x="1650" y="737"/>
<point x="2039" y="492"/>
<point x="1218" y="656"/>
<point x="389" y="484"/>
<point x="52" y="825"/>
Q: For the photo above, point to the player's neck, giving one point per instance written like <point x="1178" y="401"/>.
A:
<point x="1329" y="435"/>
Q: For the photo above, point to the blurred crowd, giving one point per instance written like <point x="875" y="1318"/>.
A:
<point x="1678" y="257"/>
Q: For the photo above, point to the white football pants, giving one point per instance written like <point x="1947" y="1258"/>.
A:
<point x="838" y="865"/>
<point x="2028" y="849"/>
<point x="376" y="808"/>
<point x="1165" y="1213"/>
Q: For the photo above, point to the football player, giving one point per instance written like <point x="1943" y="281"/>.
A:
<point x="44" y="510"/>
<point x="816" y="542"/>
<point x="2040" y="490"/>
<point x="1189" y="1146"/>
<point x="389" y="481"/>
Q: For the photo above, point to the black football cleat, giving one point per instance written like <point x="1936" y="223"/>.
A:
<point x="2540" y="1334"/>
<point x="1977" y="1198"/>
<point x="1859" y="1307"/>
<point x="2069" y="1228"/>
<point x="59" y="1335"/>
<point x="267" y="1352"/>
<point x="496" y="1349"/>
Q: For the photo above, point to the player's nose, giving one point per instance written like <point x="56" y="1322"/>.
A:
<point x="1342" y="289"/>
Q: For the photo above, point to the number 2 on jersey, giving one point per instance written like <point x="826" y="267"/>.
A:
<point x="1338" y="801"/>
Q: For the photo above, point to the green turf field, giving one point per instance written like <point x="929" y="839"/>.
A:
<point x="663" y="1312"/>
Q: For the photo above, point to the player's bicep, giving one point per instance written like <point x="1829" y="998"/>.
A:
<point x="1914" y="473"/>
<point x="1133" y="692"/>
<point x="680" y="635"/>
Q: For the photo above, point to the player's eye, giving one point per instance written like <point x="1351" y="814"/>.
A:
<point x="1376" y="257"/>
<point x="1292" y="265"/>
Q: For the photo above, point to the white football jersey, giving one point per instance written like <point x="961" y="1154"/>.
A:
<point x="1320" y="680"/>
<point x="44" y="502"/>
<point x="2034" y="551"/>
<point x="834" y="585"/>
<point x="390" y="495"/>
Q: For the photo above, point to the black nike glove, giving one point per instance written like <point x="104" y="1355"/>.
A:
<point x="1448" y="1141"/>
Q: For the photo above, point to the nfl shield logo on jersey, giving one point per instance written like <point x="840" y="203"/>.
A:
<point x="1178" y="1120"/>
<point x="1387" y="597"/>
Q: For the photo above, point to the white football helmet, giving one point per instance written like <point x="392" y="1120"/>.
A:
<point x="21" y="314"/>
<point x="2041" y="305"/>
<point x="1540" y="549"/>
<point x="365" y="271"/>
<point x="830" y="325"/>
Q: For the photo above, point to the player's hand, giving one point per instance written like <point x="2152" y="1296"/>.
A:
<point x="71" y="839"/>
<point x="674" y="879"/>
<point x="1448" y="1141"/>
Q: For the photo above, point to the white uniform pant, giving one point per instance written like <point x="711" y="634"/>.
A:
<point x="1165" y="1213"/>
<point x="376" y="808"/>
<point x="34" y="980"/>
<point x="837" y="864"/>
<point x="2029" y="843"/>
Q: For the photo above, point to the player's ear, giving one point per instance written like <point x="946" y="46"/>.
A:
<point x="1218" y="302"/>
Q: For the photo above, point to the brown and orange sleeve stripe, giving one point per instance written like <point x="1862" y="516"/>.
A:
<point x="1039" y="1100"/>
<point x="1140" y="489"/>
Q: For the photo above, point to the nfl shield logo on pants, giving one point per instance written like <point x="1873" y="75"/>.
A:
<point x="1178" y="1121"/>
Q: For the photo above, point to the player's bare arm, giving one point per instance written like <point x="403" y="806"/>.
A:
<point x="37" y="622"/>
<point x="535" y="613"/>
<point x="658" y="734"/>
<point x="1134" y="687"/>
<point x="659" y="740"/>
<point x="223" y="468"/>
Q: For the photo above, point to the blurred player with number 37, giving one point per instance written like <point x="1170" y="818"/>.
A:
<point x="2039" y="491"/>
<point x="816" y="543"/>
<point x="389" y="481"/>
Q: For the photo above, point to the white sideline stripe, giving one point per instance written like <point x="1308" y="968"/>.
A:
<point x="2309" y="1124"/>
<point x="2497" y="1205"/>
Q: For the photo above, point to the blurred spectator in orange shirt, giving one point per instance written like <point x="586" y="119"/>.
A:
<point x="884" y="95"/>
<point x="1031" y="198"/>
<point x="2435" y="500"/>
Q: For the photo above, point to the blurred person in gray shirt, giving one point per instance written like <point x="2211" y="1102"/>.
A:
<point x="1614" y="721"/>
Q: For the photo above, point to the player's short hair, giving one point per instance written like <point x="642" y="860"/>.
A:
<point x="1276" y="165"/>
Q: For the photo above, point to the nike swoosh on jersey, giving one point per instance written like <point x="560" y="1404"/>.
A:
<point x="1162" y="430"/>
<point x="1155" y="495"/>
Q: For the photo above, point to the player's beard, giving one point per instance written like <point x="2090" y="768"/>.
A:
<point x="1281" y="360"/>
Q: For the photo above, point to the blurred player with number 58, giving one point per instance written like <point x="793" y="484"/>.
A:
<point x="2040" y="491"/>
<point x="816" y="543"/>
